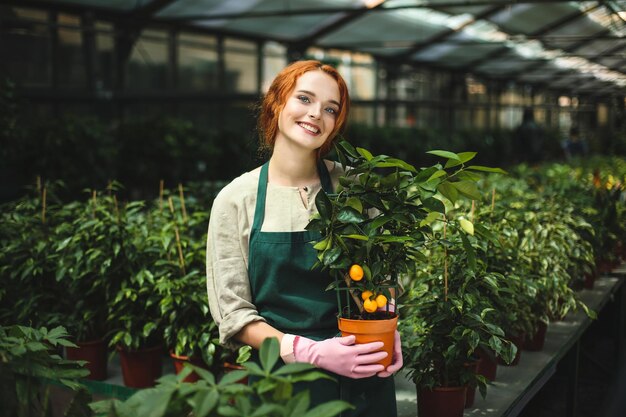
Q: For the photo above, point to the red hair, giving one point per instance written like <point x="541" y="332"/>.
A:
<point x="278" y="93"/>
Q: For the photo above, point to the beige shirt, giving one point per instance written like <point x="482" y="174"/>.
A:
<point x="287" y="209"/>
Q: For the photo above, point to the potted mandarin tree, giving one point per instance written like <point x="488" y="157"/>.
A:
<point x="374" y="229"/>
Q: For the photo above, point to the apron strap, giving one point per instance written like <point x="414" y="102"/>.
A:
<point x="259" y="210"/>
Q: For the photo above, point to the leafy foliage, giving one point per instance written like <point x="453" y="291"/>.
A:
<point x="270" y="395"/>
<point x="28" y="357"/>
<point x="382" y="214"/>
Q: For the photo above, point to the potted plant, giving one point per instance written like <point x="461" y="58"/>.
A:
<point x="448" y="317"/>
<point x="134" y="313"/>
<point x="30" y="292"/>
<point x="91" y="262"/>
<point x="381" y="222"/>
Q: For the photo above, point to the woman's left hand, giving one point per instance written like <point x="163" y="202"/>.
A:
<point x="397" y="362"/>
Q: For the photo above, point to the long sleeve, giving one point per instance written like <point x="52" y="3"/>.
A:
<point x="228" y="286"/>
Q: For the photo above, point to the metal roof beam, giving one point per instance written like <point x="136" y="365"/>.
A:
<point x="348" y="17"/>
<point x="151" y="8"/>
<point x="555" y="25"/>
<point x="418" y="46"/>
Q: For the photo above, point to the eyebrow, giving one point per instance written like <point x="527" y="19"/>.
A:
<point x="313" y="94"/>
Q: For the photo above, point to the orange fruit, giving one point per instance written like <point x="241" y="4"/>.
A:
<point x="381" y="300"/>
<point x="366" y="294"/>
<point x="370" y="305"/>
<point x="356" y="272"/>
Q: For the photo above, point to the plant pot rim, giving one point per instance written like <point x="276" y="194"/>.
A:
<point x="394" y="317"/>
<point x="179" y="357"/>
<point x="121" y="348"/>
<point x="351" y="325"/>
<point x="453" y="388"/>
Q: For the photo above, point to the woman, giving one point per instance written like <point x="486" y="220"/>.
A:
<point x="259" y="257"/>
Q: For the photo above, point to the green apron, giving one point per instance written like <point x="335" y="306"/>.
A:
<point x="291" y="296"/>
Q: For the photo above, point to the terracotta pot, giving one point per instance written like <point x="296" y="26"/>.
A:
<point x="367" y="331"/>
<point x="179" y="364"/>
<point x="604" y="267"/>
<point x="441" y="402"/>
<point x="536" y="342"/>
<point x="488" y="365"/>
<point x="95" y="353"/>
<point x="141" y="368"/>
<point x="519" y="342"/>
<point x="589" y="281"/>
<point x="471" y="389"/>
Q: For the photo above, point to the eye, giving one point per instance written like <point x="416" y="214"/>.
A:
<point x="331" y="110"/>
<point x="304" y="99"/>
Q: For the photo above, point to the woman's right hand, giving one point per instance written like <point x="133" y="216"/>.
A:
<point x="341" y="355"/>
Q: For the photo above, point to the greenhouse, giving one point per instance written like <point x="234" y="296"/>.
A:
<point x="203" y="203"/>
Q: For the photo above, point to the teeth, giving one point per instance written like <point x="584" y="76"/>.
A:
<point x="309" y="128"/>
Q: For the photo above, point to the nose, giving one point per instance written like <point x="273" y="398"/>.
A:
<point x="314" y="112"/>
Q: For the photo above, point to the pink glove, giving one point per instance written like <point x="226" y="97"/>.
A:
<point x="397" y="362"/>
<point x="338" y="354"/>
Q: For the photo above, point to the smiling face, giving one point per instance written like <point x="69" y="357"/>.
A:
<point x="310" y="112"/>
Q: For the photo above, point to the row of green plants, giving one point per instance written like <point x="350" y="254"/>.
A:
<point x="509" y="261"/>
<point x="486" y="263"/>
<point x="30" y="366"/>
<point x="481" y="259"/>
<point x="129" y="273"/>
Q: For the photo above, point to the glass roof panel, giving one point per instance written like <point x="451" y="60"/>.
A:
<point x="569" y="35"/>
<point x="465" y="8"/>
<point x="265" y="18"/>
<point x="120" y="5"/>
<point x="406" y="25"/>
<point x="611" y="16"/>
<point x="603" y="46"/>
<point x="531" y="18"/>
<point x="230" y="7"/>
<point x="510" y="63"/>
<point x="459" y="51"/>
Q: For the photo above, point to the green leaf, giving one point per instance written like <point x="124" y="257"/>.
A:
<point x="431" y="217"/>
<point x="348" y="148"/>
<point x="269" y="353"/>
<point x="331" y="255"/>
<point x="350" y="215"/>
<point x="324" y="206"/>
<point x="355" y="203"/>
<point x="294" y="368"/>
<point x="469" y="251"/>
<point x="468" y="189"/>
<point x="357" y="237"/>
<point x="496" y="344"/>
<point x="434" y="204"/>
<point x="467" y="226"/>
<point x="445" y="154"/>
<point x="365" y="153"/>
<point x="486" y="169"/>
<point x="448" y="191"/>
<point x="463" y="158"/>
<point x="322" y="244"/>
<point x="329" y="409"/>
<point x="299" y="404"/>
<point x="205" y="403"/>
<point x="437" y="174"/>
